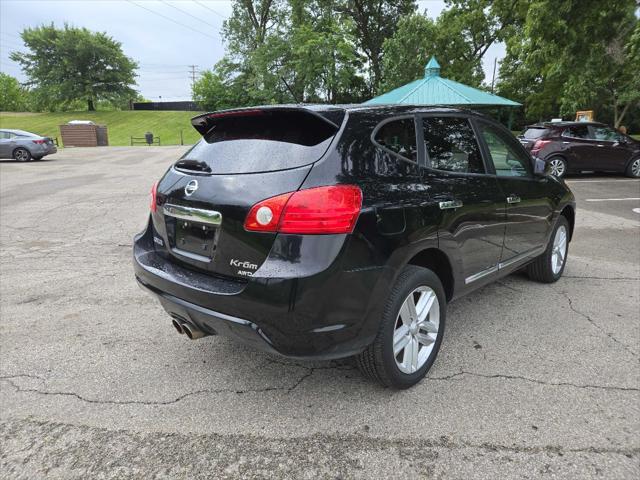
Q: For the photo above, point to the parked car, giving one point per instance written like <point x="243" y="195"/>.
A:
<point x="326" y="232"/>
<point x="24" y="146"/>
<point x="575" y="147"/>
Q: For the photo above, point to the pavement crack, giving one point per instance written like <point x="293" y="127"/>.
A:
<point x="534" y="380"/>
<point x="10" y="380"/>
<point x="587" y="277"/>
<point x="598" y="327"/>
<point x="508" y="286"/>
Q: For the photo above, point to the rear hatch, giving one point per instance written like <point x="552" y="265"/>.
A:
<point x="245" y="156"/>
<point x="531" y="134"/>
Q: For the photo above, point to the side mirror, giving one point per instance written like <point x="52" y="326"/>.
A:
<point x="540" y="167"/>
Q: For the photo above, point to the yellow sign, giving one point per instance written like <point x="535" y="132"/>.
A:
<point x="584" y="116"/>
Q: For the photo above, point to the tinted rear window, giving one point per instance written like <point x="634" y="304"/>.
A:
<point x="451" y="145"/>
<point x="534" y="132"/>
<point x="261" y="141"/>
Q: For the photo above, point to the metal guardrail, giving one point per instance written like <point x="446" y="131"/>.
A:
<point x="143" y="140"/>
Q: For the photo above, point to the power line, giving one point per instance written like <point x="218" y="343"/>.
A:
<point x="188" y="14"/>
<point x="210" y="9"/>
<point x="171" y="20"/>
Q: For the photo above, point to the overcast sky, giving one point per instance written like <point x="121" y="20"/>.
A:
<point x="165" y="37"/>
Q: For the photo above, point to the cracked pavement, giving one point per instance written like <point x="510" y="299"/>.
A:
<point x="532" y="381"/>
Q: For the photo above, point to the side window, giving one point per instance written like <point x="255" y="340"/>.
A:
<point x="508" y="160"/>
<point x="399" y="136"/>
<point x="578" y="131"/>
<point x="4" y="135"/>
<point x="606" y="134"/>
<point x="451" y="145"/>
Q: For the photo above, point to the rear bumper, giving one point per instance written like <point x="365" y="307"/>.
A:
<point x="38" y="150"/>
<point x="210" y="321"/>
<point x="330" y="314"/>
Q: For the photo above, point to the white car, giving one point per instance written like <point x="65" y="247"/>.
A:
<point x="24" y="146"/>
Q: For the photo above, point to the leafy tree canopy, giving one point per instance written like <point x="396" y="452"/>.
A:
<point x="574" y="55"/>
<point x="13" y="97"/>
<point x="67" y="64"/>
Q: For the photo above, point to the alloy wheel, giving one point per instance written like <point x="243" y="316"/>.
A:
<point x="635" y="168"/>
<point x="557" y="167"/>
<point x="559" y="250"/>
<point x="22" y="155"/>
<point x="416" y="329"/>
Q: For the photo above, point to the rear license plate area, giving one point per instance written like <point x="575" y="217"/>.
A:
<point x="192" y="239"/>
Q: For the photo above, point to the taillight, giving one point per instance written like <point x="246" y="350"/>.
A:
<point x="540" y="144"/>
<point x="39" y="142"/>
<point x="320" y="210"/>
<point x="154" y="197"/>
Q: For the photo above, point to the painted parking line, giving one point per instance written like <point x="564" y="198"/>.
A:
<point x="630" y="199"/>
<point x="603" y="181"/>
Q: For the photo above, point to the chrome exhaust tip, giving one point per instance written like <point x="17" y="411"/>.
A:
<point x="192" y="331"/>
<point x="176" y="324"/>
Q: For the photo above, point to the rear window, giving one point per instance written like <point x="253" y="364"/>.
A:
<point x="534" y="132"/>
<point x="260" y="141"/>
<point x="451" y="145"/>
<point x="577" y="131"/>
<point x="399" y="136"/>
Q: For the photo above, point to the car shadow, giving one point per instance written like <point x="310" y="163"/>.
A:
<point x="12" y="160"/>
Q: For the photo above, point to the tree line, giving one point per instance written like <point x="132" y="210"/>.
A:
<point x="561" y="56"/>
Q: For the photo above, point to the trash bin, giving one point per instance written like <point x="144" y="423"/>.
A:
<point x="148" y="137"/>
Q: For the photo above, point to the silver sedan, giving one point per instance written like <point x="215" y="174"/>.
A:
<point x="24" y="146"/>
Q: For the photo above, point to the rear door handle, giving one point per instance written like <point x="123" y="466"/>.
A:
<point x="599" y="145"/>
<point x="566" y="143"/>
<point x="450" y="204"/>
<point x="513" y="199"/>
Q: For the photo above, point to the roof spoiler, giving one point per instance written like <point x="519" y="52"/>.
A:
<point x="205" y="122"/>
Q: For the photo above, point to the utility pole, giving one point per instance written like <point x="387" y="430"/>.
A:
<point x="193" y="74"/>
<point x="493" y="79"/>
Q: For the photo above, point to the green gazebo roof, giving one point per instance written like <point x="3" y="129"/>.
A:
<point x="435" y="90"/>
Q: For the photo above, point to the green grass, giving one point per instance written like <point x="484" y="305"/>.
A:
<point x="121" y="124"/>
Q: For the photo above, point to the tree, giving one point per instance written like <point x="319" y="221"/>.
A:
<point x="460" y="37"/>
<point x="574" y="55"/>
<point x="13" y="97"/>
<point x="281" y="52"/>
<point x="64" y="65"/>
<point x="373" y="22"/>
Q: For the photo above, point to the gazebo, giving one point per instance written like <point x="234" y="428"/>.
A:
<point x="435" y="90"/>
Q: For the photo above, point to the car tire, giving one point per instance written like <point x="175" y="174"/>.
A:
<point x="633" y="169"/>
<point x="549" y="266"/>
<point x="383" y="360"/>
<point x="22" y="154"/>
<point x="557" y="166"/>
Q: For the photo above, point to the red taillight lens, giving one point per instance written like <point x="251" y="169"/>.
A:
<point x="154" y="197"/>
<point x="258" y="219"/>
<point x="320" y="210"/>
<point x="540" y="144"/>
<point x="39" y="142"/>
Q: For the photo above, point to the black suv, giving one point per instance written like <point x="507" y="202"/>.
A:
<point x="575" y="147"/>
<point x="322" y="232"/>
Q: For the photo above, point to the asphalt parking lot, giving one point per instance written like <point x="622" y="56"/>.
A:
<point x="532" y="381"/>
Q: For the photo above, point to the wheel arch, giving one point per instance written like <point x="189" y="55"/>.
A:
<point x="631" y="160"/>
<point x="551" y="156"/>
<point x="569" y="213"/>
<point x="437" y="261"/>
